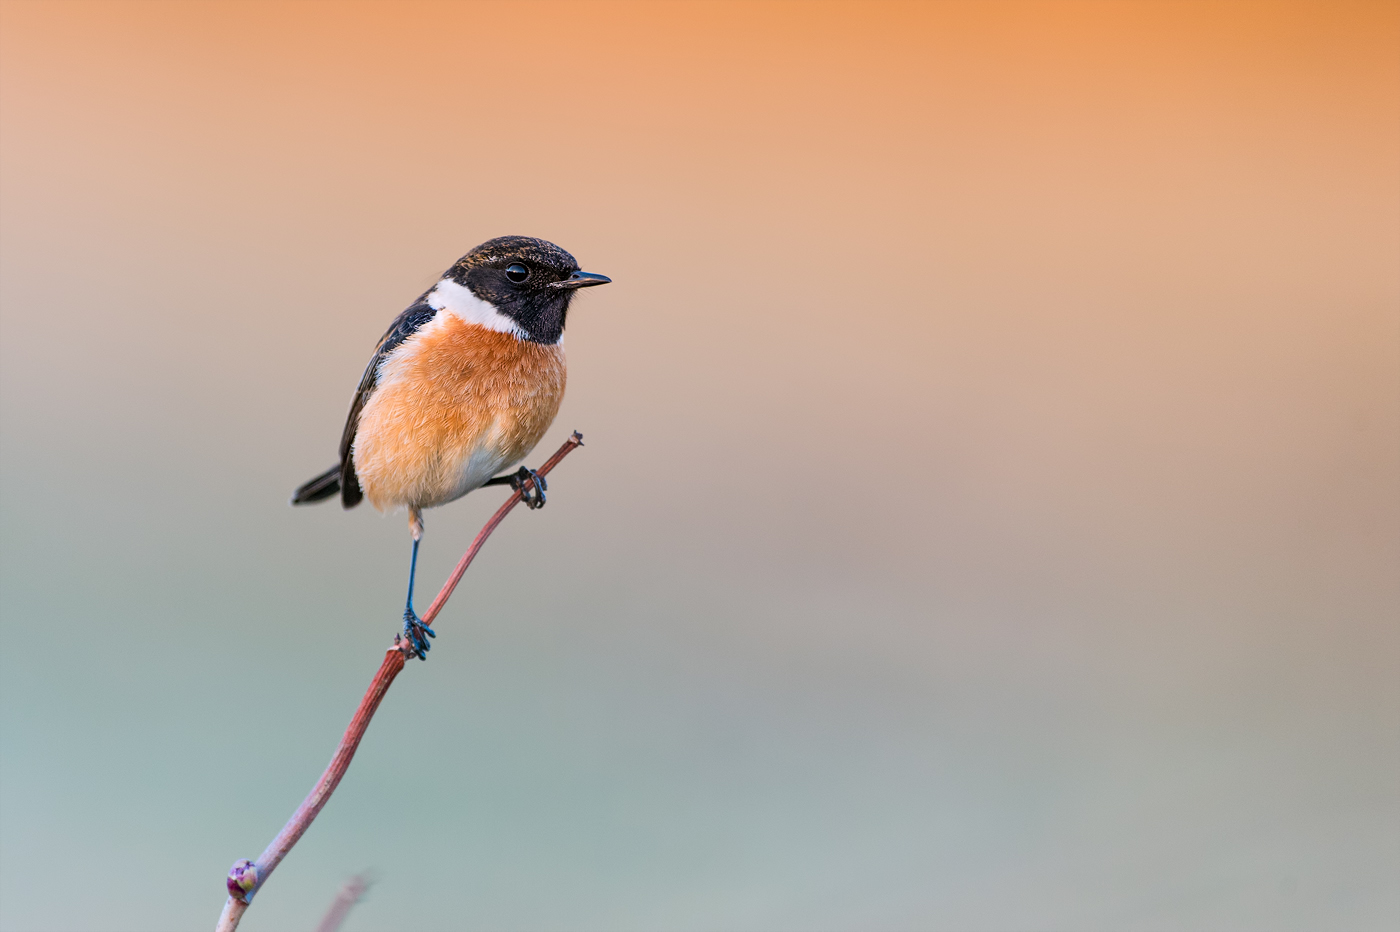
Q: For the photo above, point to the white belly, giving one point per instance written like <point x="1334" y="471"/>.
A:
<point x="481" y="464"/>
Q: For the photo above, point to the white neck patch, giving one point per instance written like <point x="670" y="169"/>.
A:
<point x="458" y="300"/>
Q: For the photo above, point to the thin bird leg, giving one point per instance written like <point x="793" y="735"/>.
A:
<point x="528" y="483"/>
<point x="414" y="629"/>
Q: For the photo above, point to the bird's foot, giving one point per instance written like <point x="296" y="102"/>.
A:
<point x="531" y="486"/>
<point x="414" y="631"/>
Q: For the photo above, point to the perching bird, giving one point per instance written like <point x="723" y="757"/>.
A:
<point x="463" y="386"/>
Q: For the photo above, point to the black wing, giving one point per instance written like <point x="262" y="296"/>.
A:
<point x="404" y="326"/>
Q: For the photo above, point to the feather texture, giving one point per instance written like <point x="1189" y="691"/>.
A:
<point x="404" y="326"/>
<point x="322" y="487"/>
<point x="449" y="406"/>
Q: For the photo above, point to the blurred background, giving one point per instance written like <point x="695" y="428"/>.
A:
<point x="990" y="517"/>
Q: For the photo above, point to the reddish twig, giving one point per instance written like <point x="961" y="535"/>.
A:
<point x="575" y="440"/>
<point x="246" y="877"/>
<point x="349" y="894"/>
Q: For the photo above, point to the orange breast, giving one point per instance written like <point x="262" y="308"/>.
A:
<point x="455" y="404"/>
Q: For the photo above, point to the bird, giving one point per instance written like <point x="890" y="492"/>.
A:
<point x="459" y="389"/>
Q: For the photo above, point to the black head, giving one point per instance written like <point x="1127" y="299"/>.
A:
<point x="529" y="280"/>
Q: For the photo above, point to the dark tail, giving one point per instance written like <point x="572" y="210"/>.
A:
<point x="322" y="487"/>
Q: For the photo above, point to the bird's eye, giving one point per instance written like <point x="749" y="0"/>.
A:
<point x="517" y="272"/>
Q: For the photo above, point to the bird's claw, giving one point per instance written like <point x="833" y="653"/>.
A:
<point x="413" y="631"/>
<point x="531" y="486"/>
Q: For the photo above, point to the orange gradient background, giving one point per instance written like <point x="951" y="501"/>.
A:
<point x="990" y="517"/>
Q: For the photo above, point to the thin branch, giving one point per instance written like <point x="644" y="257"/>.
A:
<point x="246" y="877"/>
<point x="346" y="897"/>
<point x="575" y="440"/>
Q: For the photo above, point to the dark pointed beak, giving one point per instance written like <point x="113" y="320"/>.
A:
<point x="581" y="280"/>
